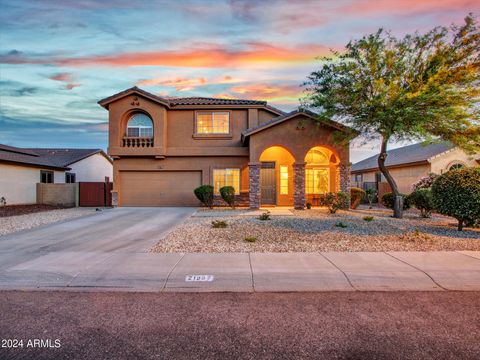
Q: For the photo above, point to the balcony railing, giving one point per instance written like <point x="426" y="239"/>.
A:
<point x="137" y="142"/>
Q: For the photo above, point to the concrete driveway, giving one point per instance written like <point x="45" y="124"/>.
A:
<point x="119" y="230"/>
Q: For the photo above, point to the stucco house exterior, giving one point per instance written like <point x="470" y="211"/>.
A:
<point x="21" y="169"/>
<point x="410" y="163"/>
<point x="163" y="148"/>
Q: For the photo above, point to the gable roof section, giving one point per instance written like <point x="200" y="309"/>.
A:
<point x="287" y="116"/>
<point x="416" y="153"/>
<point x="57" y="159"/>
<point x="171" y="103"/>
<point x="66" y="157"/>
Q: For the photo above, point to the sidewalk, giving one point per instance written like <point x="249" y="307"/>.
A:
<point x="245" y="272"/>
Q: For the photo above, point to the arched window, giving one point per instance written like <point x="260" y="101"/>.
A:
<point x="317" y="157"/>
<point x="456" y="166"/>
<point x="140" y="125"/>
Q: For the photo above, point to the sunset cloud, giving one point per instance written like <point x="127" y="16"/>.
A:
<point x="185" y="84"/>
<point x="216" y="56"/>
<point x="66" y="78"/>
<point x="285" y="94"/>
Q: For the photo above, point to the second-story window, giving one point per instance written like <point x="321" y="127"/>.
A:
<point x="212" y="122"/>
<point x="140" y="125"/>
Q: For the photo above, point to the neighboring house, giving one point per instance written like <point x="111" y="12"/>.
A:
<point x="410" y="163"/>
<point x="163" y="148"/>
<point x="21" y="169"/>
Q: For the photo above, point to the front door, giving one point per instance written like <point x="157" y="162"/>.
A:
<point x="268" y="190"/>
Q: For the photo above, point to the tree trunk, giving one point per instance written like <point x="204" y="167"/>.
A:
<point x="398" y="201"/>
<point x="460" y="225"/>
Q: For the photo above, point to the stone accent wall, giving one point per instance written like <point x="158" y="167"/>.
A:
<point x="57" y="194"/>
<point x="299" y="186"/>
<point x="345" y="178"/>
<point x="254" y="182"/>
<point x="241" y="200"/>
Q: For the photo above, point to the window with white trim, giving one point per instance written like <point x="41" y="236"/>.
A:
<point x="226" y="177"/>
<point x="212" y="122"/>
<point x="46" y="177"/>
<point x="140" y="125"/>
<point x="70" y="177"/>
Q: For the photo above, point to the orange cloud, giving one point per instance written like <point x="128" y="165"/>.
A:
<point x="408" y="6"/>
<point x="66" y="78"/>
<point x="269" y="92"/>
<point x="184" y="84"/>
<point x="252" y="54"/>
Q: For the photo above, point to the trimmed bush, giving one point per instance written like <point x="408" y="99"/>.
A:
<point x="388" y="200"/>
<point x="335" y="201"/>
<point x="250" y="239"/>
<point x="204" y="193"/>
<point x="457" y="193"/>
<point x="422" y="199"/>
<point x="368" y="218"/>
<point x="356" y="196"/>
<point x="228" y="195"/>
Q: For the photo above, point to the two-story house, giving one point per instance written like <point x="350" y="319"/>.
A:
<point x="163" y="148"/>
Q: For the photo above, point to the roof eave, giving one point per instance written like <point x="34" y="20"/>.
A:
<point x="41" y="166"/>
<point x="396" y="166"/>
<point x="106" y="101"/>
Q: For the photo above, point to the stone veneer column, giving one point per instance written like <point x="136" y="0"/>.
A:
<point x="345" y="178"/>
<point x="254" y="185"/>
<point x="299" y="186"/>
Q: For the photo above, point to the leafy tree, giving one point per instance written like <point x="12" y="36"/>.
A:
<point x="422" y="86"/>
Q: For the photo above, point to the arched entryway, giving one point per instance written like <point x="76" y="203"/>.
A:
<point x="276" y="176"/>
<point x="321" y="173"/>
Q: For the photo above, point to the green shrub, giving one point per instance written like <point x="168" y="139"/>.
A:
<point x="219" y="224"/>
<point x="422" y="199"/>
<point x="388" y="200"/>
<point x="341" y="225"/>
<point x="265" y="216"/>
<point x="250" y="239"/>
<point x="204" y="193"/>
<point x="228" y="195"/>
<point x="457" y="193"/>
<point x="368" y="218"/>
<point x="356" y="196"/>
<point x="335" y="201"/>
<point x="309" y="205"/>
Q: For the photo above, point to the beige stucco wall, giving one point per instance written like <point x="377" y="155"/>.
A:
<point x="92" y="169"/>
<point x="18" y="183"/>
<point x="442" y="162"/>
<point x="203" y="164"/>
<point x="297" y="141"/>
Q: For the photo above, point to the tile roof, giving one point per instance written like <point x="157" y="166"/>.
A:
<point x="213" y="101"/>
<point x="287" y="116"/>
<point x="171" y="102"/>
<point x="405" y="155"/>
<point x="51" y="158"/>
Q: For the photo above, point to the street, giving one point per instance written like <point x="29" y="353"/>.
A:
<point x="338" y="325"/>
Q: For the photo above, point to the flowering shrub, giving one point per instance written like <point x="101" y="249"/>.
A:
<point x="425" y="182"/>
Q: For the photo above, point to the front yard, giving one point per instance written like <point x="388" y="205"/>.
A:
<point x="14" y="218"/>
<point x="317" y="230"/>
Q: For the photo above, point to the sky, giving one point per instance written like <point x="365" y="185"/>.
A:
<point x="58" y="58"/>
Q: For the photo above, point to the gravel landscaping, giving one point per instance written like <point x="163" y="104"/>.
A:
<point x="13" y="224"/>
<point x="317" y="230"/>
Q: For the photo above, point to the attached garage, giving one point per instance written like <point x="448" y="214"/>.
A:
<point x="159" y="188"/>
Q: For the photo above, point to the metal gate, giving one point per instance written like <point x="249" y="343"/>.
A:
<point x="95" y="193"/>
<point x="268" y="193"/>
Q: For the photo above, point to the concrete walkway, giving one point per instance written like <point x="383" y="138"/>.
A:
<point x="241" y="272"/>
